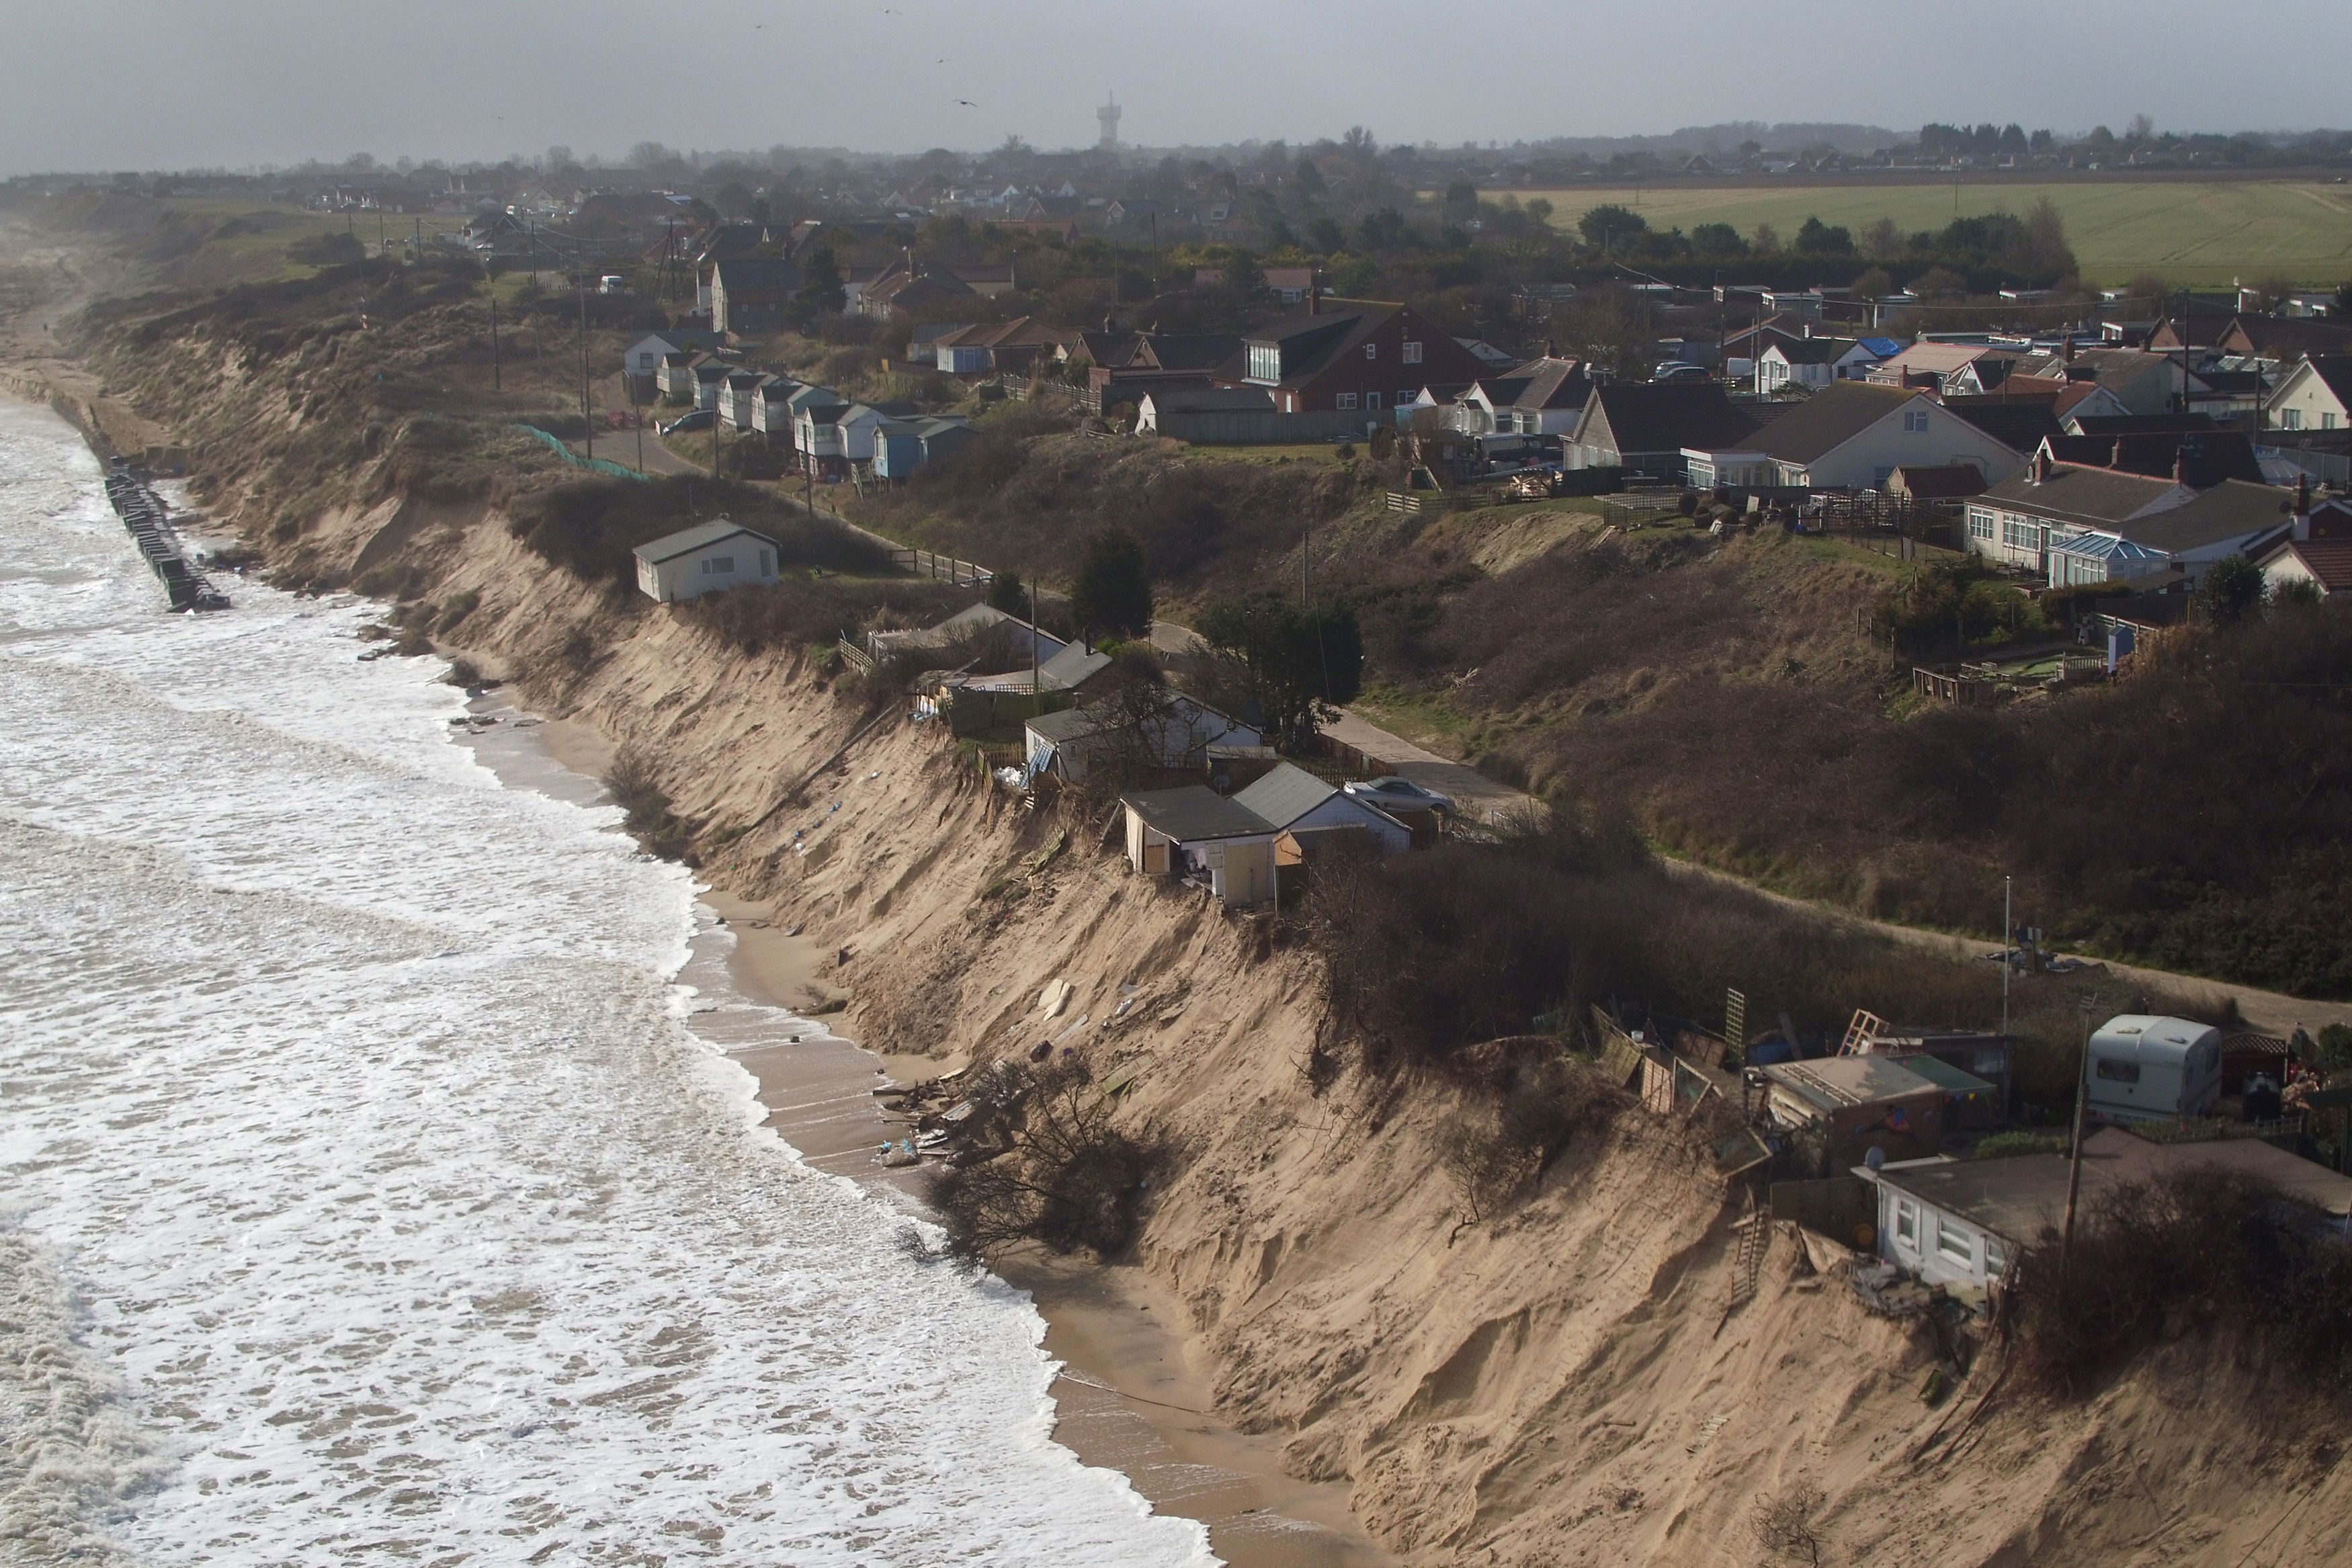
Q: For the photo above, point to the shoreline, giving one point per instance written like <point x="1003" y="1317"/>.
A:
<point x="1132" y="1390"/>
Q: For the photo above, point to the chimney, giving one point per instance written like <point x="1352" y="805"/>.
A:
<point x="2116" y="459"/>
<point x="2041" y="466"/>
<point x="2067" y="353"/>
<point x="2302" y="507"/>
<point x="1809" y="329"/>
<point x="1549" y="352"/>
<point x="2180" y="465"/>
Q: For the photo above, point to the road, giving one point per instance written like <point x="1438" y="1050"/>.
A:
<point x="1474" y="794"/>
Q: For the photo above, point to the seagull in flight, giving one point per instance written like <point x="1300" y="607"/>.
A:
<point x="967" y="103"/>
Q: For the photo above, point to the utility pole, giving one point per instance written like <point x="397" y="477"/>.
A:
<point x="587" y="408"/>
<point x="2075" y="1160"/>
<point x="498" y="381"/>
<point x="638" y="418"/>
<point x="2008" y="957"/>
<point x="1306" y="538"/>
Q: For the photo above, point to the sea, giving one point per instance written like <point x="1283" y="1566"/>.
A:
<point x="367" y="1195"/>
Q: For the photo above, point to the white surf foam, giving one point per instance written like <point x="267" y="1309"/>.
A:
<point x="364" y="1196"/>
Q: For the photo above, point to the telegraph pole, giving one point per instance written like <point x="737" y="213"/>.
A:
<point x="498" y="383"/>
<point x="2075" y="1161"/>
<point x="587" y="408"/>
<point x="2008" y="958"/>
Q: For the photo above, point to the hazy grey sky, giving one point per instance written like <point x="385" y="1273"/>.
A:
<point x="147" y="84"/>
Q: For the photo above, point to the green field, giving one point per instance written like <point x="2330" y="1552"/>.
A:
<point x="2201" y="231"/>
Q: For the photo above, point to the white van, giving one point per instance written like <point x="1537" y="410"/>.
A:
<point x="613" y="283"/>
<point x="2144" y="1068"/>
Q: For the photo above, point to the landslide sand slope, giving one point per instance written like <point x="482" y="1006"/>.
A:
<point x="1559" y="1384"/>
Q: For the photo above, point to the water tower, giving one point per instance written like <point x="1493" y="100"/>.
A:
<point x="1108" y="115"/>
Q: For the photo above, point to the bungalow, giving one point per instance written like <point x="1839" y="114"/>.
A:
<point x="2073" y="524"/>
<point x="644" y="357"/>
<point x="1814" y="363"/>
<point x="750" y="294"/>
<point x="706" y="560"/>
<point x="2274" y="342"/>
<point x="1961" y="1223"/>
<point x="1175" y="735"/>
<point x="1364" y="360"/>
<point x="1854" y="436"/>
<point x="772" y="408"/>
<point x="1645" y="427"/>
<point x="1165" y="411"/>
<point x="1839" y="1110"/>
<point x="968" y="626"/>
<point x="1307" y="807"/>
<point x="836" y="436"/>
<point x="710" y="373"/>
<point x="1014" y="346"/>
<point x="903" y="446"/>
<point x="1542" y="397"/>
<point x="739" y="397"/>
<point x="1197" y="834"/>
<point x="2315" y="395"/>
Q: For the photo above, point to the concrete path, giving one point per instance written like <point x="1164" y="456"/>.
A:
<point x="1478" y="797"/>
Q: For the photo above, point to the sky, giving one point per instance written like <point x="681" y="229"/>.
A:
<point x="174" y="84"/>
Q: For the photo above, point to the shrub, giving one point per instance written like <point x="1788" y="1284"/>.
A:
<point x="647" y="817"/>
<point x="2192" y="1254"/>
<point x="1040" y="1161"/>
<point x="590" y="526"/>
<point x="798" y="610"/>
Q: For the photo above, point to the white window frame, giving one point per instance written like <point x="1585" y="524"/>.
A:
<point x="1371" y="400"/>
<point x="1981" y="524"/>
<point x="1996" y="1256"/>
<point x="718" y="566"/>
<point x="1914" y="421"/>
<point x="1411" y="352"/>
<point x="1371" y="350"/>
<point x="2290" y="419"/>
<point x="1907" y="1222"/>
<point x="1965" y="1255"/>
<point x="1345" y="400"/>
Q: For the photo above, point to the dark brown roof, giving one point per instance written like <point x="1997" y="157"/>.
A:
<point x="1665" y="416"/>
<point x="2093" y="495"/>
<point x="2196" y="457"/>
<point x="2288" y="337"/>
<point x="2016" y="423"/>
<point x="1942" y="481"/>
<point x="2335" y="371"/>
<point x="1184" y="350"/>
<point x="1827" y="420"/>
<point x="1541" y="384"/>
<point x="2229" y="510"/>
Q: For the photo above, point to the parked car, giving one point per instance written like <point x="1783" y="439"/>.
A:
<point x="1401" y="794"/>
<point x="1678" y="370"/>
<point x="701" y="419"/>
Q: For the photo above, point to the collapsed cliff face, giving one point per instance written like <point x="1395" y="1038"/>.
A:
<point x="1560" y="1382"/>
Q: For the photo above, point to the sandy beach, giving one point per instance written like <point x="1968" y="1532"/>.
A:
<point x="1133" y="1393"/>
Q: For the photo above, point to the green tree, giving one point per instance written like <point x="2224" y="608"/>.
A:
<point x="1007" y="592"/>
<point x="1461" y="202"/>
<point x="2301" y="593"/>
<point x="821" y="290"/>
<point x="1717" y="240"/>
<point x="1815" y="238"/>
<point x="1882" y="241"/>
<point x="1604" y="225"/>
<point x="2231" y="590"/>
<point x="1113" y="593"/>
<point x="1298" y="663"/>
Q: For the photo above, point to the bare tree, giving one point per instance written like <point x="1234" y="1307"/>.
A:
<point x="1784" y="1524"/>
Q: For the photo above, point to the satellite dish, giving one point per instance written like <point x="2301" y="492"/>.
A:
<point x="1876" y="1158"/>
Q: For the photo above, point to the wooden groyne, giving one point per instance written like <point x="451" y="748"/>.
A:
<point x="143" y="513"/>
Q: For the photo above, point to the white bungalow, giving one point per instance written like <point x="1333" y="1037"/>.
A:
<point x="707" y="559"/>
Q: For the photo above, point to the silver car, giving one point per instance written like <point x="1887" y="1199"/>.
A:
<point x="1398" y="794"/>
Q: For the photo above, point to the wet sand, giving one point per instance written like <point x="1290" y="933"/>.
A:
<point x="1133" y="1393"/>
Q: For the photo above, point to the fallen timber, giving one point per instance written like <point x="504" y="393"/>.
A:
<point x="143" y="513"/>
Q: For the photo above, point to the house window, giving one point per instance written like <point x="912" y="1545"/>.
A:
<point x="1914" y="421"/>
<point x="2020" y="536"/>
<point x="2290" y="419"/>
<point x="1412" y="353"/>
<point x="1371" y="350"/>
<point x="767" y="566"/>
<point x="1980" y="523"/>
<point x="1371" y="400"/>
<point x="1345" y="400"/>
<point x="1907" y="1223"/>
<point x="1265" y="363"/>
<point x="1956" y="1245"/>
<point x="1996" y="1256"/>
<point x="2118" y="1072"/>
<point x="2327" y="421"/>
<point x="717" y="566"/>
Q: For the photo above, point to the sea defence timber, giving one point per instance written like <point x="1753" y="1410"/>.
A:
<point x="143" y="513"/>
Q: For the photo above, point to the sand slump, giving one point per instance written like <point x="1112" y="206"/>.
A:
<point x="367" y="1196"/>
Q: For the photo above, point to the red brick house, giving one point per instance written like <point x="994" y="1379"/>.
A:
<point x="1368" y="359"/>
